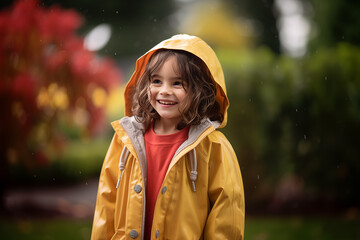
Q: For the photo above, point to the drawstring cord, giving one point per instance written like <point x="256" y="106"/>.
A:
<point x="193" y="173"/>
<point x="193" y="163"/>
<point x="124" y="155"/>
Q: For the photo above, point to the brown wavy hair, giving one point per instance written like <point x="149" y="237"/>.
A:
<point x="201" y="90"/>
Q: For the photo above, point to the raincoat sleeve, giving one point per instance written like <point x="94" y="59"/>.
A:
<point x="226" y="193"/>
<point x="103" y="223"/>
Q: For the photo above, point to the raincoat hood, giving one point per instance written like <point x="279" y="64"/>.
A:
<point x="190" y="44"/>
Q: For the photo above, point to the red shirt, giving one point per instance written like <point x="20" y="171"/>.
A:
<point x="160" y="149"/>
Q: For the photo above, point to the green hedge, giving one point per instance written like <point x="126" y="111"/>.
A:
<point x="296" y="119"/>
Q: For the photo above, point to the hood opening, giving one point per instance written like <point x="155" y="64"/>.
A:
<point x="195" y="46"/>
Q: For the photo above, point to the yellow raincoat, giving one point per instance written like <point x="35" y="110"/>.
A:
<point x="202" y="196"/>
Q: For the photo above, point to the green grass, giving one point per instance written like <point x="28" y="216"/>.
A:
<point x="256" y="228"/>
<point x="301" y="228"/>
<point x="45" y="229"/>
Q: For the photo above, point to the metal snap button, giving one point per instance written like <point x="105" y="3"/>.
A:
<point x="157" y="233"/>
<point x="137" y="188"/>
<point x="133" y="234"/>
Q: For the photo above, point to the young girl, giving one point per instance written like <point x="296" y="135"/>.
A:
<point x="169" y="174"/>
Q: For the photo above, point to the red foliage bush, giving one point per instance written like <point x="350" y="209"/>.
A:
<point x="46" y="76"/>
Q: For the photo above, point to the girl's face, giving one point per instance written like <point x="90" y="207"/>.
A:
<point x="167" y="93"/>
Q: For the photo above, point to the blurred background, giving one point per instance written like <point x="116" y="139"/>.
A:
<point x="292" y="69"/>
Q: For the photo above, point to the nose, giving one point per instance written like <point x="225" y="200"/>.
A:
<point x="165" y="89"/>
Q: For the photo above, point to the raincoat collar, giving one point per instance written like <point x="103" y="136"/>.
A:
<point x="135" y="132"/>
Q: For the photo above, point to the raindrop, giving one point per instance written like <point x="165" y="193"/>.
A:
<point x="296" y="110"/>
<point x="79" y="172"/>
<point x="155" y="20"/>
<point x="86" y="183"/>
<point x="117" y="12"/>
<point x="258" y="177"/>
<point x="325" y="78"/>
<point x="249" y="99"/>
<point x="115" y="53"/>
<point x="304" y="136"/>
<point x="53" y="179"/>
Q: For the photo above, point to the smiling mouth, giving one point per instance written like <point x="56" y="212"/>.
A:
<point x="166" y="102"/>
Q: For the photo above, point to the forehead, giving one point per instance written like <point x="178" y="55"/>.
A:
<point x="161" y="61"/>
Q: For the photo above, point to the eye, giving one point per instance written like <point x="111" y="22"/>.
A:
<point x="155" y="81"/>
<point x="178" y="83"/>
